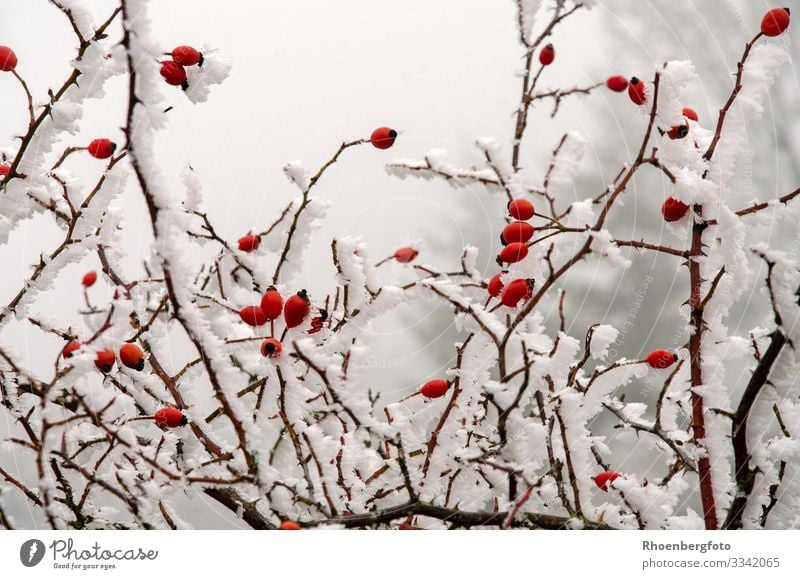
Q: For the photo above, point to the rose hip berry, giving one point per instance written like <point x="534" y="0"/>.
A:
<point x="132" y="356"/>
<point x="661" y="359"/>
<point x="673" y="210"/>
<point x="405" y="254"/>
<point x="187" y="56"/>
<point x="72" y="346"/>
<point x="104" y="360"/>
<point x="775" y="21"/>
<point x="296" y="309"/>
<point x="517" y="231"/>
<point x="253" y="316"/>
<point x="513" y="252"/>
<point x="290" y="526"/>
<point x="272" y="304"/>
<point x="383" y="137"/>
<point x="690" y="113"/>
<point x="434" y="388"/>
<point x="547" y="55"/>
<point x="101" y="148"/>
<point x="174" y="74"/>
<point x="617" y="83"/>
<point x="170" y="418"/>
<point x="521" y="209"/>
<point x="516" y="291"/>
<point x="271" y="348"/>
<point x="495" y="286"/>
<point x="249" y="243"/>
<point x="678" y="131"/>
<point x="318" y="322"/>
<point x="637" y="91"/>
<point x="605" y="478"/>
<point x="89" y="278"/>
<point x="8" y="60"/>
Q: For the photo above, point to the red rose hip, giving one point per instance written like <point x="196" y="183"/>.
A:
<point x="513" y="252"/>
<point x="637" y="91"/>
<point x="289" y="526"/>
<point x="296" y="309"/>
<point x="690" y="113"/>
<point x="434" y="388"/>
<point x="170" y="418"/>
<point x="678" y="131"/>
<point x="405" y="254"/>
<point x="661" y="359"/>
<point x="104" y="360"/>
<point x="173" y="73"/>
<point x="8" y="60"/>
<point x="547" y="55"/>
<point x="517" y="231"/>
<point x="132" y="356"/>
<point x="187" y="56"/>
<point x="271" y="348"/>
<point x="495" y="286"/>
<point x="249" y="243"/>
<point x="774" y="23"/>
<point x="5" y="169"/>
<point x="272" y="304"/>
<point x="383" y="137"/>
<point x="605" y="478"/>
<point x="71" y="347"/>
<point x="673" y="210"/>
<point x="617" y="83"/>
<point x="101" y="148"/>
<point x="521" y="209"/>
<point x="318" y="322"/>
<point x="516" y="291"/>
<point x="89" y="278"/>
<point x="253" y="316"/>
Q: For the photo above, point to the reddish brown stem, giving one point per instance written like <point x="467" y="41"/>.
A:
<point x="696" y="370"/>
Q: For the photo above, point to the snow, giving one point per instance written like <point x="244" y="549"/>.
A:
<point x="527" y="11"/>
<point x="602" y="337"/>
<point x="567" y="162"/>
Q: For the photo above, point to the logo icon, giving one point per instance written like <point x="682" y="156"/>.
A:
<point x="31" y="553"/>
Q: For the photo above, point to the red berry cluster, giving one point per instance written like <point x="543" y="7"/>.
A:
<point x="173" y="71"/>
<point x="130" y="355"/>
<point x="294" y="311"/>
<point x="774" y="23"/>
<point x="515" y="237"/>
<point x="637" y="91"/>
